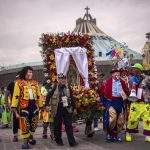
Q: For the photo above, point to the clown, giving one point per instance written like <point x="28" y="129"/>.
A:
<point x="6" y="116"/>
<point x="27" y="98"/>
<point x="140" y="106"/>
<point x="111" y="92"/>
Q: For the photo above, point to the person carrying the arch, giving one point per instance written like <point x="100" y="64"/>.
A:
<point x="60" y="99"/>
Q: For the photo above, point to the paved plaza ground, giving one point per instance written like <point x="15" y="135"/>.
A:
<point x="96" y="143"/>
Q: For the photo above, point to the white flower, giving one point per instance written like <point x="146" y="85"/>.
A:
<point x="46" y="74"/>
<point x="48" y="81"/>
<point x="44" y="69"/>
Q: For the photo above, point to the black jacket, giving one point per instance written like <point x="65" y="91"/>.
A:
<point x="51" y="92"/>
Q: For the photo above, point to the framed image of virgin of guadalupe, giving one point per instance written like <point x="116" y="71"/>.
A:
<point x="72" y="75"/>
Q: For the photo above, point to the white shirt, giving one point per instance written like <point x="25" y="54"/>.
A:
<point x="31" y="94"/>
<point x="116" y="88"/>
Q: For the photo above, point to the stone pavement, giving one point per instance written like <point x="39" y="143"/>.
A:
<point x="96" y="143"/>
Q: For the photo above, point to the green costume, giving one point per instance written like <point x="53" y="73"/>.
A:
<point x="6" y="115"/>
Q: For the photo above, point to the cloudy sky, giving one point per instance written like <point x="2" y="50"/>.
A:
<point x="23" y="21"/>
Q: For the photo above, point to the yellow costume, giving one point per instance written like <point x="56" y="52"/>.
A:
<point x="137" y="111"/>
<point x="27" y="98"/>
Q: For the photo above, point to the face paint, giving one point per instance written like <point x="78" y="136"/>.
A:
<point x="117" y="77"/>
<point x="29" y="75"/>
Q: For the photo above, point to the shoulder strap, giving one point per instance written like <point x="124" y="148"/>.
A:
<point x="140" y="81"/>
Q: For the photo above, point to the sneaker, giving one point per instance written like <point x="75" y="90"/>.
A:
<point x="117" y="139"/>
<point x="15" y="139"/>
<point x="96" y="129"/>
<point x="5" y="126"/>
<point x="109" y="138"/>
<point x="32" y="142"/>
<point x="73" y="144"/>
<point x="128" y="137"/>
<point x="147" y="139"/>
<point x="25" y="146"/>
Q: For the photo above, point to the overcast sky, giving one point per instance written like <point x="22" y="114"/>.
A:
<point x="23" y="21"/>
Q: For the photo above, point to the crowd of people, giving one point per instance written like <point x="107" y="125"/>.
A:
<point x="124" y="99"/>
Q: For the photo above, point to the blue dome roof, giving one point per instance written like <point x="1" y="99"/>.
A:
<point x="102" y="43"/>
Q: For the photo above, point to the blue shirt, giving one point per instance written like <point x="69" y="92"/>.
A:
<point x="116" y="88"/>
<point x="134" y="80"/>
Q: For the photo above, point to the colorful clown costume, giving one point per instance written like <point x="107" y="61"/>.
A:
<point x="6" y="115"/>
<point x="27" y="98"/>
<point x="114" y="111"/>
<point x="139" y="109"/>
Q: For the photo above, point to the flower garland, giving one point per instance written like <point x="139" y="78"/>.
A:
<point x="50" y="42"/>
<point x="87" y="101"/>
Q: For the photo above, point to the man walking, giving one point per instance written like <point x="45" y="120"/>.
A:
<point x="62" y="105"/>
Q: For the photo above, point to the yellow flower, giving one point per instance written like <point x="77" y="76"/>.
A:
<point x="88" y="52"/>
<point x="89" y="62"/>
<point x="52" y="66"/>
<point x="53" y="77"/>
<point x="54" y="40"/>
<point x="91" y="74"/>
<point x="67" y="40"/>
<point x="51" y="57"/>
<point x="77" y="40"/>
<point x="92" y="91"/>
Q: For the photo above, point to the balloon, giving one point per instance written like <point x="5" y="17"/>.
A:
<point x="108" y="53"/>
<point x="120" y="51"/>
<point x="113" y="53"/>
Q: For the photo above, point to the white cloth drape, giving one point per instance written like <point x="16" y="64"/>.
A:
<point x="62" y="59"/>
